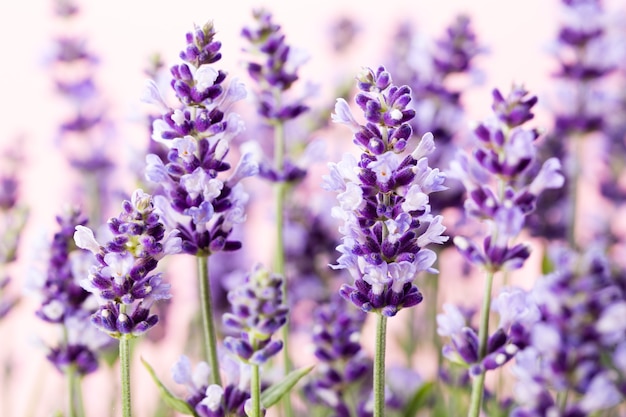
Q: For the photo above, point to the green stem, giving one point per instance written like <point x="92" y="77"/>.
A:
<point x="76" y="407"/>
<point x="279" y="256"/>
<point x="255" y="391"/>
<point x="125" y="373"/>
<point x="208" y="324"/>
<point x="71" y="391"/>
<point x="573" y="190"/>
<point x="379" y="366"/>
<point x="483" y="332"/>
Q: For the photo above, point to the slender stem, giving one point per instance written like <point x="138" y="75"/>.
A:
<point x="208" y="324"/>
<point x="573" y="189"/>
<point x="71" y="391"/>
<point x="379" y="366"/>
<point x="255" y="391"/>
<point x="483" y="332"/>
<point x="125" y="372"/>
<point x="279" y="256"/>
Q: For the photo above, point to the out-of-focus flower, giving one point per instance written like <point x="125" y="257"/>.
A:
<point x="343" y="366"/>
<point x="496" y="180"/>
<point x="383" y="199"/>
<point x="67" y="305"/>
<point x="428" y="68"/>
<point x="258" y="311"/>
<point x="273" y="66"/>
<point x="13" y="217"/>
<point x="211" y="400"/>
<point x="574" y="345"/>
<point x="85" y="135"/>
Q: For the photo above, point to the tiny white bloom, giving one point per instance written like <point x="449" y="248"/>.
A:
<point x="84" y="238"/>
<point x="205" y="77"/>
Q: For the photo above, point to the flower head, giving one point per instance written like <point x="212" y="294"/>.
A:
<point x="122" y="279"/>
<point x="258" y="311"/>
<point x="383" y="199"/>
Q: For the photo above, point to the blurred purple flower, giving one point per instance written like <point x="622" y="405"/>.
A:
<point x="258" y="311"/>
<point x="211" y="400"/>
<point x="575" y="343"/>
<point x="494" y="177"/>
<point x="344" y="366"/>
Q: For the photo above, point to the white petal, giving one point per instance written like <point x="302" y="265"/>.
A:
<point x="84" y="238"/>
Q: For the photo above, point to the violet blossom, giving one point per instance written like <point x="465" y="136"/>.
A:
<point x="343" y="366"/>
<point x="428" y="70"/>
<point x="13" y="217"/>
<point x="383" y="199"/>
<point x="66" y="304"/>
<point x="122" y="278"/>
<point x="273" y="66"/>
<point x="575" y="343"/>
<point x="258" y="311"/>
<point x="195" y="199"/>
<point x="212" y="400"/>
<point x="495" y="177"/>
<point x="86" y="132"/>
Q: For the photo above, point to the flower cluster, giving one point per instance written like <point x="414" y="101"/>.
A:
<point x="577" y="344"/>
<point x="495" y="179"/>
<point x="517" y="312"/>
<point x="336" y="333"/>
<point x="383" y="199"/>
<point x="258" y="311"/>
<point x="584" y="58"/>
<point x="195" y="200"/>
<point x="122" y="278"/>
<point x="211" y="400"/>
<point x="13" y="218"/>
<point x="278" y="71"/>
<point x="66" y="303"/>
<point x="273" y="67"/>
<point x="85" y="133"/>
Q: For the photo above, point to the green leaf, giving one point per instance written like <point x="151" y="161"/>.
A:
<point x="273" y="394"/>
<point x="168" y="398"/>
<point x="419" y="399"/>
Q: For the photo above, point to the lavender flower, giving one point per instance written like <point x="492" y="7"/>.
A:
<point x="343" y="364"/>
<point x="67" y="305"/>
<point x="518" y="313"/>
<point x="13" y="216"/>
<point x="278" y="71"/>
<point x="575" y="344"/>
<point x="211" y="400"/>
<point x="494" y="178"/>
<point x="258" y="311"/>
<point x="195" y="198"/>
<point x="273" y="67"/>
<point x="585" y="55"/>
<point x="428" y="70"/>
<point x="85" y="134"/>
<point x="122" y="280"/>
<point x="383" y="199"/>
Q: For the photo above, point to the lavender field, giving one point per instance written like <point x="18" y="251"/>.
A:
<point x="321" y="209"/>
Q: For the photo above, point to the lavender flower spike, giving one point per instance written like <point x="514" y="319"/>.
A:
<point x="383" y="199"/>
<point x="259" y="311"/>
<point x="195" y="196"/>
<point x="122" y="280"/>
<point x="212" y="400"/>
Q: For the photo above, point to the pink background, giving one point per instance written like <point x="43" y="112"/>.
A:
<point x="123" y="34"/>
